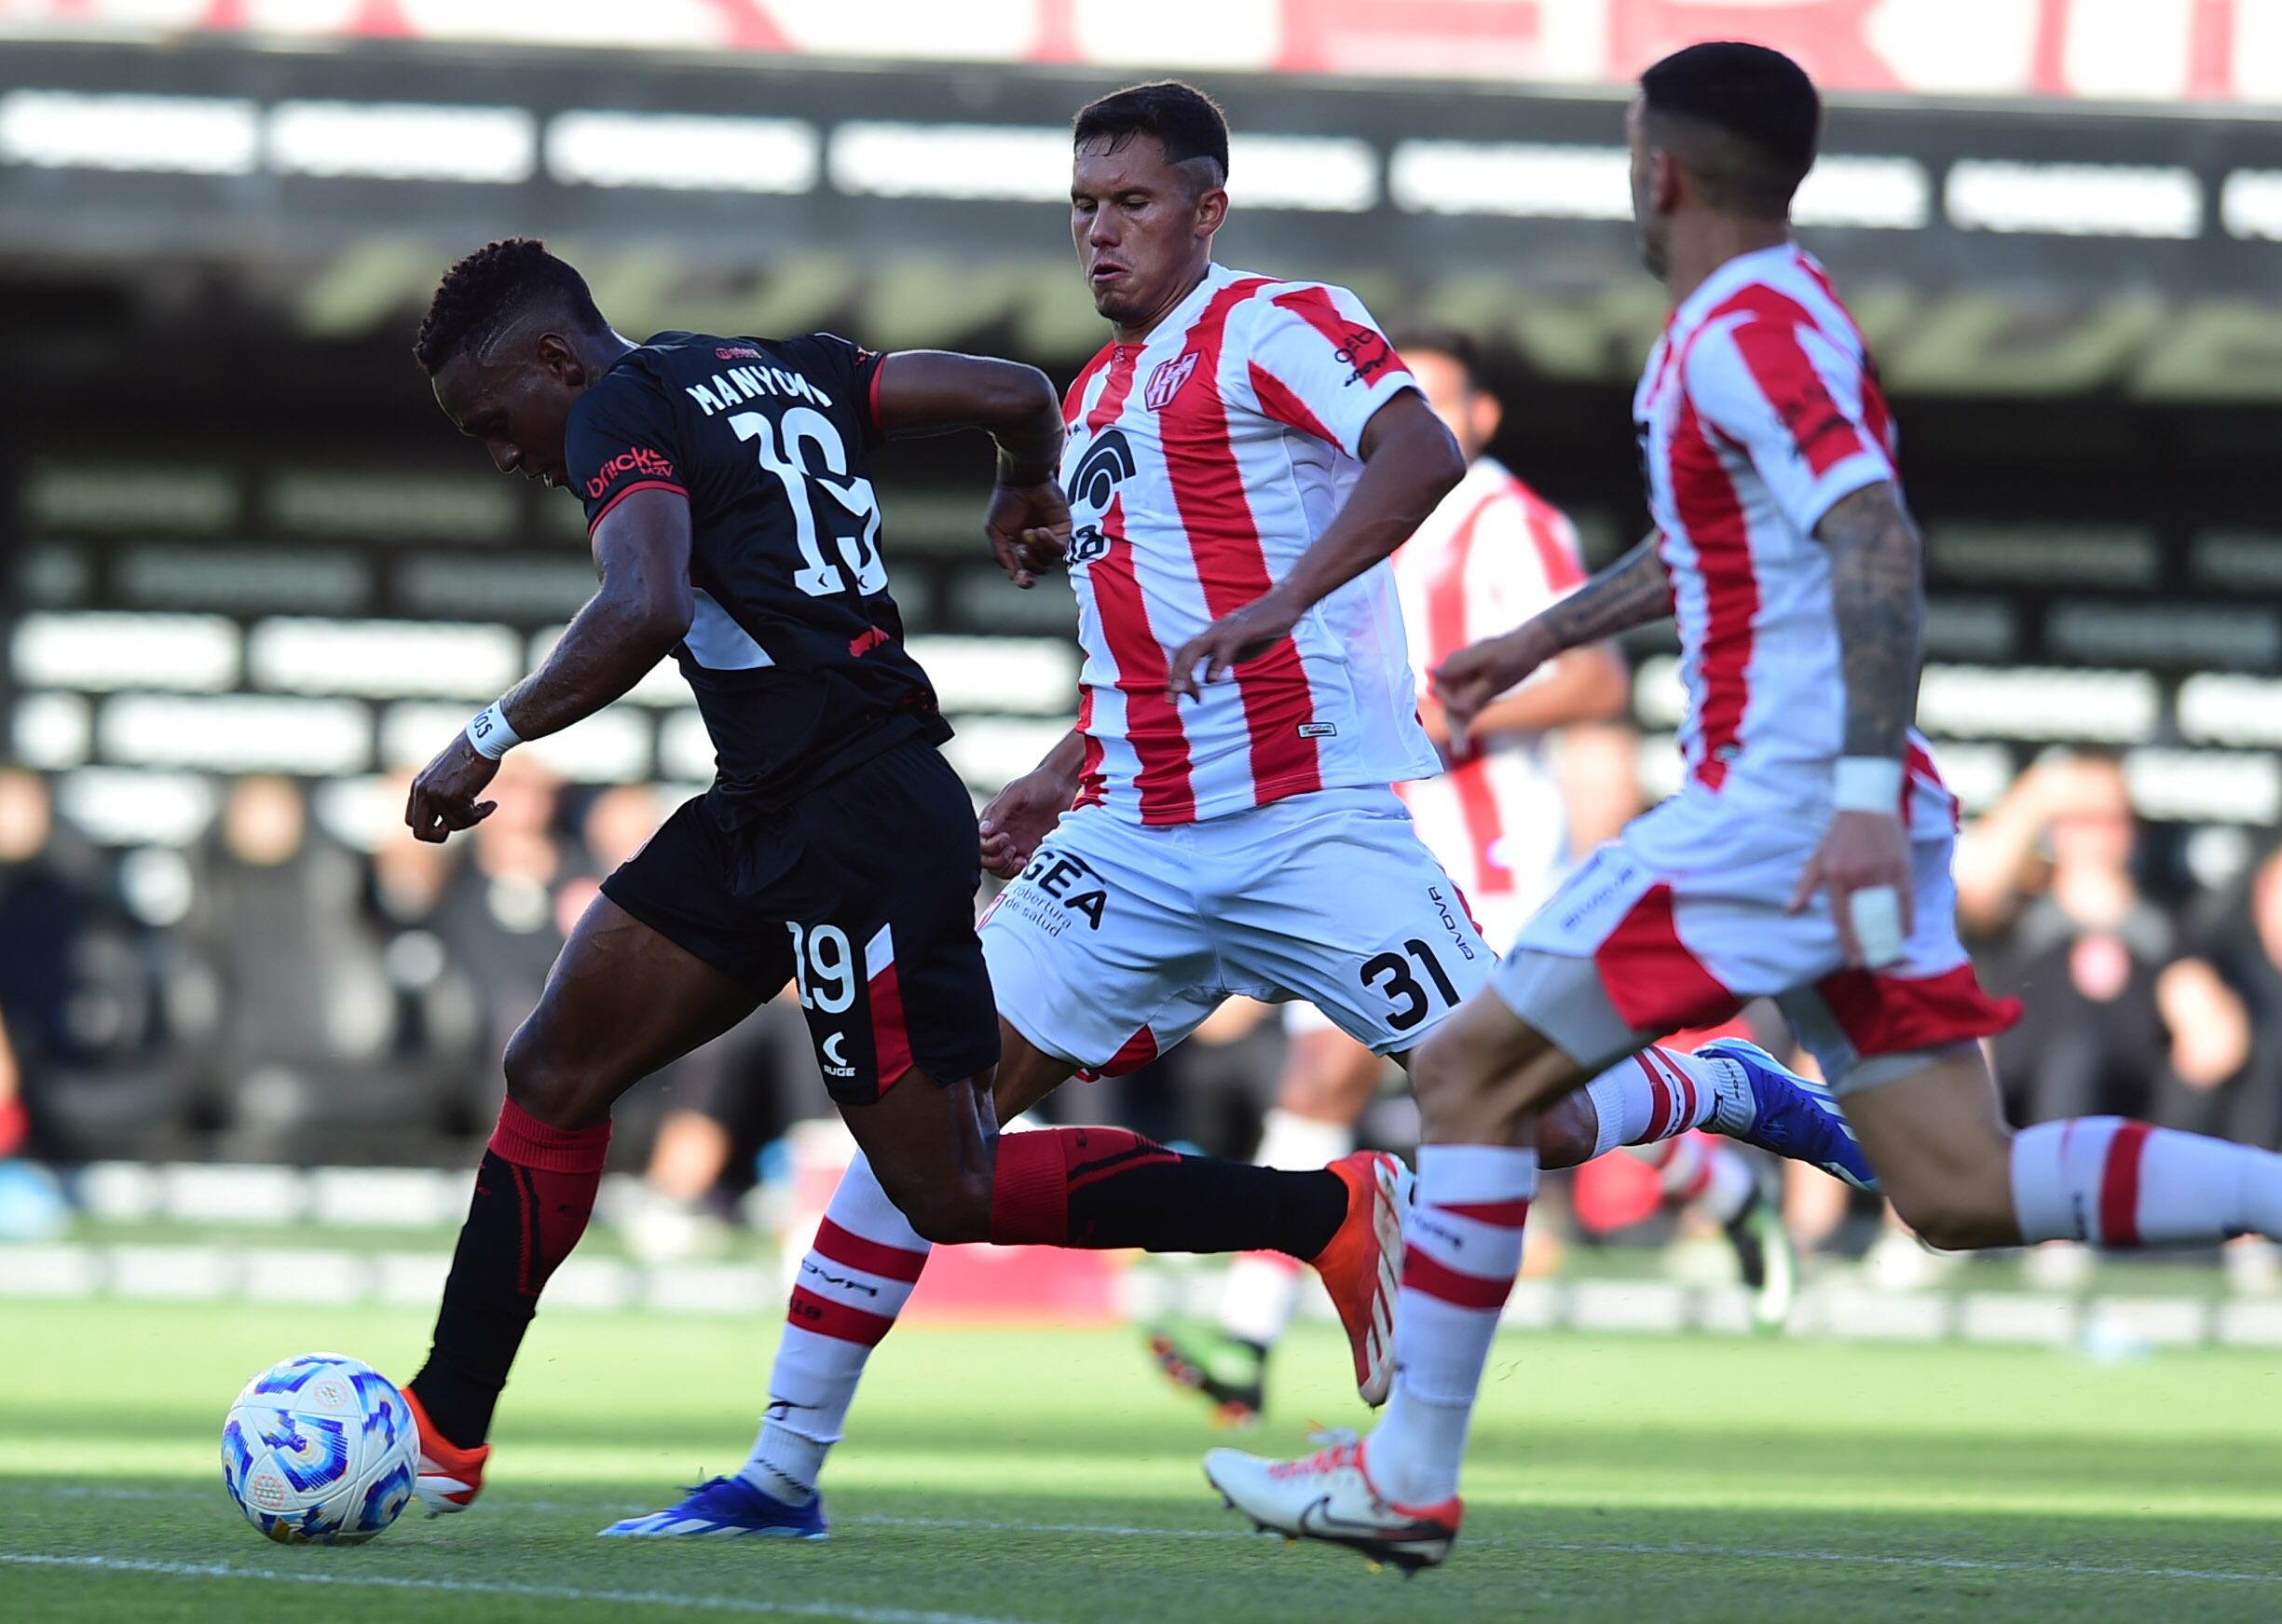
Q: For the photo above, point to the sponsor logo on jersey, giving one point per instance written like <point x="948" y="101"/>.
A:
<point x="1087" y="543"/>
<point x="635" y="459"/>
<point x="1363" y="351"/>
<point x="1164" y="383"/>
<point x="835" y="1062"/>
<point x="735" y="352"/>
<point x="1318" y="729"/>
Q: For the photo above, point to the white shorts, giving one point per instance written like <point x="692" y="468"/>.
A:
<point x="1684" y="917"/>
<point x="1119" y="939"/>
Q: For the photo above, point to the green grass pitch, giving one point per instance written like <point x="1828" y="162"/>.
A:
<point x="1042" y="1477"/>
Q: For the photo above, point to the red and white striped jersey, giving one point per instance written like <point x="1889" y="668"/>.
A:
<point x="1200" y="464"/>
<point x="1759" y="409"/>
<point x="1490" y="556"/>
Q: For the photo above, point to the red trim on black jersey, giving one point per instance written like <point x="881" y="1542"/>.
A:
<point x="639" y="484"/>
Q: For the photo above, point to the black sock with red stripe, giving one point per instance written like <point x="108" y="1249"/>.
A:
<point x="534" y="1193"/>
<point x="1098" y="1188"/>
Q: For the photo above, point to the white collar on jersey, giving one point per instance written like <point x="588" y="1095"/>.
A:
<point x="1737" y="273"/>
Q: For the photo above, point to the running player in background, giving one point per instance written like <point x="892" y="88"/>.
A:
<point x="1243" y="457"/>
<point x="1492" y="554"/>
<point x="1806" y="856"/>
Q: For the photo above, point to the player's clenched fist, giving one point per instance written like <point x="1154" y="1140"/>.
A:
<point x="1029" y="525"/>
<point x="1470" y="679"/>
<point x="444" y="795"/>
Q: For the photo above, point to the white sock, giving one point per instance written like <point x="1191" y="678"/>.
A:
<point x="1464" y="1249"/>
<point x="1699" y="1172"/>
<point x="2120" y="1183"/>
<point x="852" y="1283"/>
<point x="1263" y="1288"/>
<point x="1652" y="1096"/>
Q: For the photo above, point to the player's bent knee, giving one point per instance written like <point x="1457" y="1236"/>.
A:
<point x="947" y="1208"/>
<point x="559" y="1095"/>
<point x="1958" y="1211"/>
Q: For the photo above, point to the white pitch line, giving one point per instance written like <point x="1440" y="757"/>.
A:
<point x="1961" y="1563"/>
<point x="696" y="1603"/>
<point x="1136" y="1531"/>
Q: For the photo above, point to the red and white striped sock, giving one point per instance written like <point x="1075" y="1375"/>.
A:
<point x="1652" y="1096"/>
<point x="1263" y="1288"/>
<point x="852" y="1283"/>
<point x="1464" y="1247"/>
<point x="2119" y="1183"/>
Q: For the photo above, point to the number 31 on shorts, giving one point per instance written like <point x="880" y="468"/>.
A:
<point x="1393" y="976"/>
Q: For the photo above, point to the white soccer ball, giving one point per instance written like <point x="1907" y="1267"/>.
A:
<point x="319" y="1450"/>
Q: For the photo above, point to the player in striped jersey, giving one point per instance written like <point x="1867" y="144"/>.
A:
<point x="1806" y="856"/>
<point x="1242" y="457"/>
<point x="1492" y="553"/>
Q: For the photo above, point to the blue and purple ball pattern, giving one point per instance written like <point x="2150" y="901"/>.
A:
<point x="320" y="1449"/>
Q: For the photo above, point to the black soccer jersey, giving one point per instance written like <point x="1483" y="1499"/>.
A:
<point x="796" y="651"/>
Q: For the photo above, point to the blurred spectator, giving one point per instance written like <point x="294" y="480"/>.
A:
<point x="99" y="1027"/>
<point x="2046" y="876"/>
<point x="2225" y="1006"/>
<point x="498" y="912"/>
<point x="308" y="1017"/>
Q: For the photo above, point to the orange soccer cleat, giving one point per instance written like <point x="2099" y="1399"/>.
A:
<point x="450" y="1478"/>
<point x="1363" y="1266"/>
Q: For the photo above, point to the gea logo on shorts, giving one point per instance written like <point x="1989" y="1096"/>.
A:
<point x="1055" y="875"/>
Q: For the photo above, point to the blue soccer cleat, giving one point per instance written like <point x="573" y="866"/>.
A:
<point x="726" y="1506"/>
<point x="1784" y="1114"/>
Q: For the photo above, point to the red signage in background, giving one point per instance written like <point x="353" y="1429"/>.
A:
<point x="2127" y="52"/>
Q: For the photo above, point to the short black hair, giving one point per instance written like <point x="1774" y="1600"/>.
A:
<point x="1759" y="100"/>
<point x="1187" y="123"/>
<point x="501" y="281"/>
<point x="1433" y="338"/>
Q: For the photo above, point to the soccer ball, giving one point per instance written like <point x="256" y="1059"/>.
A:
<point x="319" y="1450"/>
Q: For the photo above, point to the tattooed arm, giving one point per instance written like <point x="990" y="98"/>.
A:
<point x="1878" y="601"/>
<point x="1875" y="593"/>
<point x="1631" y="591"/>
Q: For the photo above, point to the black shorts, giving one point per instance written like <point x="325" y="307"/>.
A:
<point x="862" y="893"/>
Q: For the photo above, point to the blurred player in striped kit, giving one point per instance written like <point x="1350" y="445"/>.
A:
<point x="1491" y="555"/>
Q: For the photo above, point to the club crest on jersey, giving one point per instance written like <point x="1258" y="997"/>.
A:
<point x="1164" y="383"/>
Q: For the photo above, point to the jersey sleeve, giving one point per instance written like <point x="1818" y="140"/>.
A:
<point x="621" y="438"/>
<point x="850" y="372"/>
<point x="1799" y="405"/>
<point x="1315" y="360"/>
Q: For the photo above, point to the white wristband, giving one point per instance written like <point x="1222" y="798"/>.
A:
<point x="1870" y="784"/>
<point x="489" y="733"/>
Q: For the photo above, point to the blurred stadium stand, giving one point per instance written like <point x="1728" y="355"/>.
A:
<point x="239" y="539"/>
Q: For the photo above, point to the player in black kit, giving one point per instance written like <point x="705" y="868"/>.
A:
<point x="727" y="487"/>
<point x="733" y="526"/>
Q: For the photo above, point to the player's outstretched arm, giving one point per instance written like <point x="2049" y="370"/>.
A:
<point x="923" y="391"/>
<point x="1409" y="464"/>
<point x="1877" y="600"/>
<point x="643" y="609"/>
<point x="1631" y="591"/>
